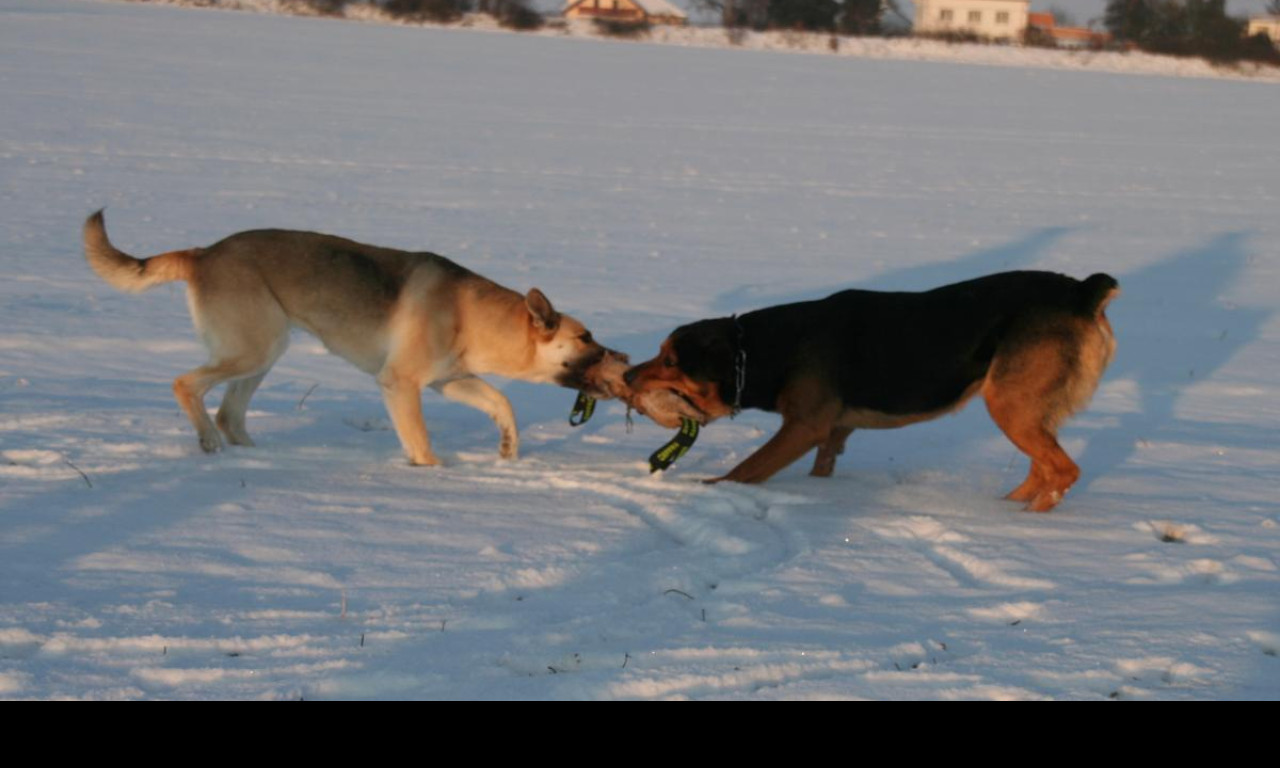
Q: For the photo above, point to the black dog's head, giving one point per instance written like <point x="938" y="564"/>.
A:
<point x="691" y="378"/>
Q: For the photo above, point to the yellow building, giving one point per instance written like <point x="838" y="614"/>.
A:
<point x="990" y="19"/>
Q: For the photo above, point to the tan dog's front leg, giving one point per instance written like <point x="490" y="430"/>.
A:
<point x="482" y="396"/>
<point x="403" y="397"/>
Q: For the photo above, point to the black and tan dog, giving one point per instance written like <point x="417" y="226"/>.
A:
<point x="1034" y="344"/>
<point x="410" y="319"/>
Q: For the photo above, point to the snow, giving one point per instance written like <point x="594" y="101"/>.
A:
<point x="640" y="186"/>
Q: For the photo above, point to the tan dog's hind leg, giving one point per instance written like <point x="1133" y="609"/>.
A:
<point x="191" y="387"/>
<point x="829" y="451"/>
<point x="245" y="337"/>
<point x="482" y="396"/>
<point x="235" y="404"/>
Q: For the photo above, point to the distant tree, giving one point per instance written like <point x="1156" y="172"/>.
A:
<point x="1168" y="25"/>
<point x="1260" y="48"/>
<point x="1211" y="31"/>
<point x="812" y="15"/>
<point x="428" y="10"/>
<point x="1183" y="28"/>
<point x="514" y="14"/>
<point x="1129" y="20"/>
<point x="1273" y="7"/>
<point x="328" y="7"/>
<point x="739" y="13"/>
<point x="862" y="17"/>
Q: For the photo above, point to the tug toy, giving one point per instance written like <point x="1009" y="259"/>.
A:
<point x="678" y="446"/>
<point x="583" y="408"/>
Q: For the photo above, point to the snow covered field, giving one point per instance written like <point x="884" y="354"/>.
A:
<point x="640" y="186"/>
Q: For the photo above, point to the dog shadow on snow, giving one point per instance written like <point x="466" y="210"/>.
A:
<point x="1014" y="255"/>
<point x="1175" y="329"/>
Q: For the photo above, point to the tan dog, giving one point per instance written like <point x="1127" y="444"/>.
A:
<point x="409" y="319"/>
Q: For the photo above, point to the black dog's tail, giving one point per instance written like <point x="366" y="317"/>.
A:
<point x="1096" y="292"/>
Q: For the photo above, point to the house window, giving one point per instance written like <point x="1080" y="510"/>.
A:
<point x="946" y="15"/>
<point x="1002" y="17"/>
<point x="975" y="17"/>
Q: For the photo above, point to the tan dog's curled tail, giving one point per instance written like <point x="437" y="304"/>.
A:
<point x="126" y="273"/>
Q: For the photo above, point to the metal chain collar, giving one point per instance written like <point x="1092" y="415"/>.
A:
<point x="739" y="369"/>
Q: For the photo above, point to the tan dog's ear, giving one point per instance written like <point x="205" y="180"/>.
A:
<point x="545" y="316"/>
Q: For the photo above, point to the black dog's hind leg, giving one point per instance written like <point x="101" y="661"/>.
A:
<point x="829" y="451"/>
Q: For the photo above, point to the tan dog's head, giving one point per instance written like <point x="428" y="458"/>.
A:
<point x="690" y="378"/>
<point x="566" y="353"/>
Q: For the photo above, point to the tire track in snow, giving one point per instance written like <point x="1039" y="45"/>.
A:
<point x="724" y="522"/>
<point x="945" y="549"/>
<point x="716" y="535"/>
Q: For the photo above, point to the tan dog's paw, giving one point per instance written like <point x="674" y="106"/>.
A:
<point x="210" y="442"/>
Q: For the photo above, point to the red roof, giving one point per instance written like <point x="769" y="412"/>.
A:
<point x="1042" y="20"/>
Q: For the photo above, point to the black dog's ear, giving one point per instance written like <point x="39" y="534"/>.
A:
<point x="545" y="317"/>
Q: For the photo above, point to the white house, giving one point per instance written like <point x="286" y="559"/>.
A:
<point x="991" y="19"/>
